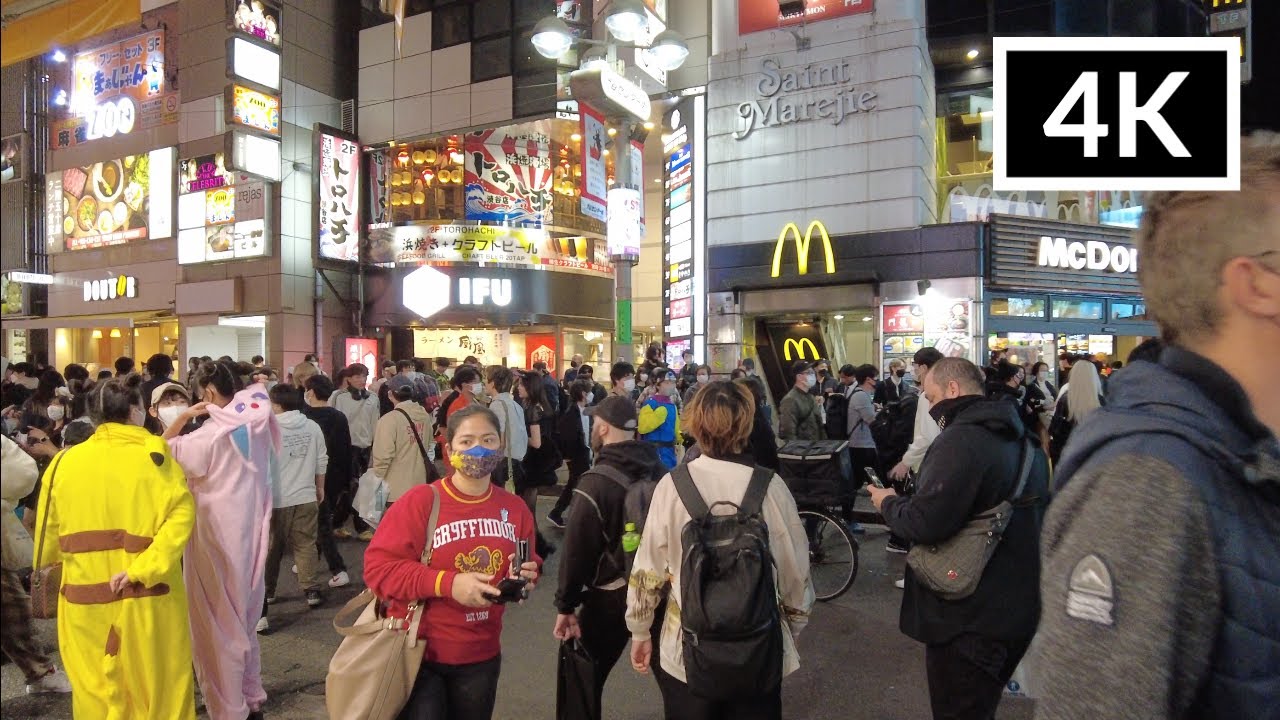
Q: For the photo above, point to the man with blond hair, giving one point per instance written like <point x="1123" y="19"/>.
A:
<point x="1161" y="553"/>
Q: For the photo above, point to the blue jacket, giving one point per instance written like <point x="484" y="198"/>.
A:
<point x="1218" y="641"/>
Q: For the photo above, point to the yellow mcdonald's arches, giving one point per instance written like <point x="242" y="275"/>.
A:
<point x="799" y="346"/>
<point x="802" y="248"/>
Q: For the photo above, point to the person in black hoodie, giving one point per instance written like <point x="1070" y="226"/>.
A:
<point x="973" y="644"/>
<point x="573" y="434"/>
<point x="1005" y="382"/>
<point x="762" y="444"/>
<point x="590" y="576"/>
<point x="337" y="477"/>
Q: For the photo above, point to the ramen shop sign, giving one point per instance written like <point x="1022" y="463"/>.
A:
<point x="818" y="91"/>
<point x="123" y="286"/>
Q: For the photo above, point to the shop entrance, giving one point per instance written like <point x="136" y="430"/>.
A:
<point x="840" y="338"/>
<point x="97" y="348"/>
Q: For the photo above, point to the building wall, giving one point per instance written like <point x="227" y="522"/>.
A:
<point x="873" y="171"/>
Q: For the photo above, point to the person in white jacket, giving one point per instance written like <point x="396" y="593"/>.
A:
<point x="17" y="636"/>
<point x="296" y="492"/>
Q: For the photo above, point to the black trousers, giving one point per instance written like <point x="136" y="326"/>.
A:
<point x="454" y="692"/>
<point x="325" y="543"/>
<point x="680" y="704"/>
<point x="342" y="501"/>
<point x="604" y="631"/>
<point x="576" y="468"/>
<point x="967" y="675"/>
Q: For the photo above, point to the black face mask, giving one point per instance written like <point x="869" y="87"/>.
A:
<point x="900" y="373"/>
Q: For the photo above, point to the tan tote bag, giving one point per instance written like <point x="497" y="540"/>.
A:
<point x="372" y="673"/>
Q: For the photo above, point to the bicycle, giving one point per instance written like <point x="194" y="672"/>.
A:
<point x="833" y="551"/>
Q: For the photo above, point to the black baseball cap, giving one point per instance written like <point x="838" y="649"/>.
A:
<point x="800" y="366"/>
<point x="618" y="411"/>
<point x="927" y="356"/>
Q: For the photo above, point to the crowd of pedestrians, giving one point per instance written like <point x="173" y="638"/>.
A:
<point x="1127" y="520"/>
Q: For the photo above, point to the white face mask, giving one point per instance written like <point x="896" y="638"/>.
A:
<point x="810" y="380"/>
<point x="629" y="384"/>
<point x="169" y="415"/>
<point x="477" y="389"/>
<point x="702" y="379"/>
<point x="56" y="412"/>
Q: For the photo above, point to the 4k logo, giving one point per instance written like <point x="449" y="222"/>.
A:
<point x="1091" y="114"/>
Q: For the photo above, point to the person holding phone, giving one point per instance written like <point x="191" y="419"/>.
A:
<point x="475" y="543"/>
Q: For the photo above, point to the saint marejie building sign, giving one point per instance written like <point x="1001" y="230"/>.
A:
<point x="818" y="91"/>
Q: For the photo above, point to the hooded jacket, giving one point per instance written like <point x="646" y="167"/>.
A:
<point x="1171" y="495"/>
<point x="302" y="457"/>
<point x="396" y="457"/>
<point x="586" y="538"/>
<point x="971" y="467"/>
<point x="18" y="476"/>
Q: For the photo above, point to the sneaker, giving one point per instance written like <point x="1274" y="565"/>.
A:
<point x="314" y="600"/>
<point x="294" y="569"/>
<point x="895" y="548"/>
<point x="365" y="536"/>
<point x="856" y="528"/>
<point x="900" y="583"/>
<point x="556" y="520"/>
<point x="342" y="534"/>
<point x="54" y="681"/>
<point x="271" y="599"/>
<point x="263" y="624"/>
<point x="340" y="580"/>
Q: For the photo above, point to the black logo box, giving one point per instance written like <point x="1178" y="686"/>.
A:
<point x="1198" y="113"/>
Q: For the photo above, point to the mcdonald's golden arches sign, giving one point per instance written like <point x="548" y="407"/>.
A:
<point x="802" y="248"/>
<point x="799" y="346"/>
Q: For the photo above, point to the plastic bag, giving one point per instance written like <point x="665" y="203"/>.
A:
<point x="1025" y="682"/>
<point x="370" y="500"/>
<point x="576" y="684"/>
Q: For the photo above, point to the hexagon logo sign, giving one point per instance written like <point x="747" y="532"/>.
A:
<point x="426" y="291"/>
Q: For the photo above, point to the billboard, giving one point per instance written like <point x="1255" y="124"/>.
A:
<point x="760" y="15"/>
<point x="113" y="202"/>
<point x="458" y="244"/>
<point x="116" y="89"/>
<point x="509" y="174"/>
<point x="595" y="182"/>
<point x="338" y="194"/>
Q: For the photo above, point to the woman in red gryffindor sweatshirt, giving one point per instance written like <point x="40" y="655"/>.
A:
<point x="474" y="546"/>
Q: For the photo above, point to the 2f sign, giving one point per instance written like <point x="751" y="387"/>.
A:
<point x="1133" y="113"/>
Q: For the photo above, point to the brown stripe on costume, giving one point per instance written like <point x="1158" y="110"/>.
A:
<point x="101" y="593"/>
<point x="101" y="540"/>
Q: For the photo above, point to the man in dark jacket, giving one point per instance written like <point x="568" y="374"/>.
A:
<point x="589" y="574"/>
<point x="550" y="385"/>
<point x="1162" y="553"/>
<point x="160" y="368"/>
<point x="800" y="415"/>
<point x="574" y="436"/>
<point x="337" y="477"/>
<point x="972" y="645"/>
<point x="598" y="393"/>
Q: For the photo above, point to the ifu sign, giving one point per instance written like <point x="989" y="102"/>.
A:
<point x="818" y="91"/>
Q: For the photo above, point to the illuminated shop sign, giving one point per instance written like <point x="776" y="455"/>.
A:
<point x="427" y="291"/>
<point x="488" y="346"/>
<point x="259" y="18"/>
<point x="1056" y="252"/>
<point x="791" y="230"/>
<point x="206" y="172"/>
<point x="253" y="109"/>
<point x="225" y="223"/>
<point x="786" y="96"/>
<point x="250" y="61"/>
<point x="792" y="345"/>
<point x="338" y="194"/>
<point x="684" y="239"/>
<point x="123" y="286"/>
<point x="116" y="89"/>
<point x="759" y="15"/>
<point x="112" y="202"/>
<point x="254" y="154"/>
<point x="460" y="244"/>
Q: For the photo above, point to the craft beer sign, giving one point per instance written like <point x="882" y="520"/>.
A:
<point x="1147" y="114"/>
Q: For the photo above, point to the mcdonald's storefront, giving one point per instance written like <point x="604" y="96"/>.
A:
<point x="849" y="298"/>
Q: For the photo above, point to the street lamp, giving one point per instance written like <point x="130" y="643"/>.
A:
<point x="626" y="21"/>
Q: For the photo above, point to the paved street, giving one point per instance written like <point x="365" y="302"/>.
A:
<point x="854" y="662"/>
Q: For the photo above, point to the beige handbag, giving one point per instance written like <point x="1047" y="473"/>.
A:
<point x="46" y="582"/>
<point x="372" y="674"/>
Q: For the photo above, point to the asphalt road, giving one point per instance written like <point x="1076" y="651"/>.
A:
<point x="854" y="662"/>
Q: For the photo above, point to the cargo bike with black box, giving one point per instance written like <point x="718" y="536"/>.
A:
<point x="820" y="477"/>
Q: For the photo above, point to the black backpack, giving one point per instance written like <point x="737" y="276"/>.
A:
<point x="732" y="627"/>
<point x="442" y="412"/>
<point x="837" y="416"/>
<point x="894" y="428"/>
<point x="616" y="562"/>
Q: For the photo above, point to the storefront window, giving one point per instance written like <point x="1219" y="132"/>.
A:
<point x="97" y="348"/>
<point x="1077" y="310"/>
<point x="1024" y="307"/>
<point x="1128" y="311"/>
<point x="593" y="346"/>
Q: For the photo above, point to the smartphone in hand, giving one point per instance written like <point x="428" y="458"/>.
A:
<point x="875" y="479"/>
<point x="513" y="588"/>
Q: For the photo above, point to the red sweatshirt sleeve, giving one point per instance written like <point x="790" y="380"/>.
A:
<point x="393" y="566"/>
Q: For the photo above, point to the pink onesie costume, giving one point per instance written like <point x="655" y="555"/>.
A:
<point x="229" y="462"/>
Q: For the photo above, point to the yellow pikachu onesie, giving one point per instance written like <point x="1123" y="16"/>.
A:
<point x="118" y="502"/>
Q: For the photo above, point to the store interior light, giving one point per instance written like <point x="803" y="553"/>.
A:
<point x="115" y="332"/>
<point x="58" y="56"/>
<point x="626" y="19"/>
<point x="973" y="53"/>
<point x="575" y="137"/>
<point x="613" y="131"/>
<point x="866" y="318"/>
<point x="648" y="126"/>
<point x="60" y="98"/>
<point x="838" y="317"/>
<point x="97" y="334"/>
<point x="551" y="37"/>
<point x="668" y="50"/>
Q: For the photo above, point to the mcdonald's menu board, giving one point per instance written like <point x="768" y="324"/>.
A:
<point x="935" y="322"/>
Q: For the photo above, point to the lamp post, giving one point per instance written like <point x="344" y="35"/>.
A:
<point x="597" y="83"/>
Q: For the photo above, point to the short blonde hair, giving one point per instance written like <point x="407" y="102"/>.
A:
<point x="302" y="372"/>
<point x="1186" y="238"/>
<point x="720" y="416"/>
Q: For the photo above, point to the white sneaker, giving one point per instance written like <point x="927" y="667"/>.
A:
<point x="340" y="580"/>
<point x="55" y="681"/>
<point x="294" y="569"/>
<point x="900" y="583"/>
<point x="263" y="624"/>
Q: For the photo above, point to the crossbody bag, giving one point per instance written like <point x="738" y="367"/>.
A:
<point x="432" y="475"/>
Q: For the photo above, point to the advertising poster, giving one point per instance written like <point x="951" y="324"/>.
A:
<point x="223" y="223"/>
<point x="259" y="18"/>
<point x="541" y="348"/>
<point x="595" y="183"/>
<point x="625" y="227"/>
<point x="903" y="319"/>
<point x="759" y="15"/>
<point x="637" y="174"/>
<point x="509" y="174"/>
<point x="13" y="158"/>
<point x="425" y="244"/>
<point x="253" y="109"/>
<point x="338" y="172"/>
<point x="116" y="89"/>
<point x="106" y="203"/>
<point x="361" y="350"/>
<point x="205" y="172"/>
<point x="489" y="346"/>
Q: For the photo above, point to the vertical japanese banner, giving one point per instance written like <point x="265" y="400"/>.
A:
<point x="509" y="174"/>
<point x="362" y="350"/>
<point x="541" y="348"/>
<point x="594" y="181"/>
<point x="637" y="176"/>
<point x="337" y="173"/>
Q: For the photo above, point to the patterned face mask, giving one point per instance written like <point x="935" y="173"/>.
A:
<point x="477" y="462"/>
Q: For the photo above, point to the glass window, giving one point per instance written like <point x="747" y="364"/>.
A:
<point x="967" y="134"/>
<point x="450" y="26"/>
<point x="1018" y="307"/>
<point x="1128" y="311"/>
<point x="490" y="17"/>
<point x="1077" y="310"/>
<point x="529" y="12"/>
<point x="490" y="58"/>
